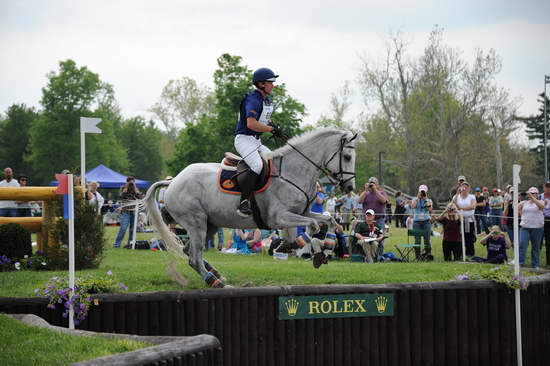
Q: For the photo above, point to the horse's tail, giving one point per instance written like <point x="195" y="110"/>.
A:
<point x="172" y="242"/>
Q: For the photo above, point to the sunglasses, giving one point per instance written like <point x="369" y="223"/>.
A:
<point x="23" y="179"/>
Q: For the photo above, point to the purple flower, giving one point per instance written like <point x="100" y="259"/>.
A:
<point x="39" y="252"/>
<point x="51" y="306"/>
<point x="123" y="286"/>
<point x="462" y="277"/>
<point x="109" y="273"/>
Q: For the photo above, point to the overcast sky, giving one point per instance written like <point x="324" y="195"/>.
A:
<point x="138" y="46"/>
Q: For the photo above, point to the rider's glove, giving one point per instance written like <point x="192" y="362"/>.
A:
<point x="277" y="131"/>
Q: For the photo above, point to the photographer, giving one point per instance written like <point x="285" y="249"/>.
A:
<point x="374" y="198"/>
<point x="421" y="207"/>
<point x="128" y="192"/>
<point x="531" y="227"/>
<point x="451" y="233"/>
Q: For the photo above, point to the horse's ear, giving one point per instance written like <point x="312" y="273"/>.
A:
<point x="354" y="137"/>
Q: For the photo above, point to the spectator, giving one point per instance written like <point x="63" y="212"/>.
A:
<point x="399" y="212"/>
<point x="546" y="198"/>
<point x="466" y="204"/>
<point x="238" y="240"/>
<point x="374" y="198"/>
<point x="461" y="179"/>
<point x="23" y="207"/>
<point x="319" y="201"/>
<point x="331" y="205"/>
<point x="388" y="212"/>
<point x="368" y="236"/>
<point x="451" y="233"/>
<point x="496" y="205"/>
<point x="509" y="216"/>
<point x="496" y="243"/>
<point x="94" y="197"/>
<point x="8" y="208"/>
<point x="421" y="207"/>
<point x="532" y="226"/>
<point x="128" y="192"/>
<point x="481" y="218"/>
<point x="254" y="240"/>
<point x="348" y="204"/>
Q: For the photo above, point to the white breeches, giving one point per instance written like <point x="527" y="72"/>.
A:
<point x="249" y="148"/>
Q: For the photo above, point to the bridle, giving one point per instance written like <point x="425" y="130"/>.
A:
<point x="334" y="177"/>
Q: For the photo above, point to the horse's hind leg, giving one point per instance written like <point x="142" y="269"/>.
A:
<point x="197" y="230"/>
<point x="210" y="233"/>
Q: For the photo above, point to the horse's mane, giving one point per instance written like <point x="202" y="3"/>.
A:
<point x="311" y="138"/>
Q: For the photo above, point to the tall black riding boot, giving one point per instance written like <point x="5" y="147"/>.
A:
<point x="247" y="182"/>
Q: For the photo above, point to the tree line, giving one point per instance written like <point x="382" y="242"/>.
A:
<point x="433" y="116"/>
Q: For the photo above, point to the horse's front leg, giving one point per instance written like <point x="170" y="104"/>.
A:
<point x="288" y="219"/>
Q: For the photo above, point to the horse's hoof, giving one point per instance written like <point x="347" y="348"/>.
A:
<point x="319" y="259"/>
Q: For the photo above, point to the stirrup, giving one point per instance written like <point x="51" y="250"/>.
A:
<point x="244" y="209"/>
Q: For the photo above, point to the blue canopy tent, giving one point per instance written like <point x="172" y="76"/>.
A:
<point x="108" y="178"/>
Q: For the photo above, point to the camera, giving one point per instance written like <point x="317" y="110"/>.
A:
<point x="371" y="185"/>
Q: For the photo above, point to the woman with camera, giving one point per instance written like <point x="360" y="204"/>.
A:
<point x="466" y="204"/>
<point x="421" y="207"/>
<point x="451" y="233"/>
<point x="129" y="192"/>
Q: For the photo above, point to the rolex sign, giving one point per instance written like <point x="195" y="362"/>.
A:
<point x="335" y="306"/>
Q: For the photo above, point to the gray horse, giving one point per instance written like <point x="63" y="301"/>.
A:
<point x="195" y="202"/>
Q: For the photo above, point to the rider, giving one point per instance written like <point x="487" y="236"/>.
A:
<point x="255" y="111"/>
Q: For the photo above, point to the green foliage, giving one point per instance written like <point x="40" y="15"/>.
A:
<point x="71" y="93"/>
<point x="14" y="134"/>
<point x="499" y="274"/>
<point x="15" y="241"/>
<point x="142" y="141"/>
<point x="89" y="239"/>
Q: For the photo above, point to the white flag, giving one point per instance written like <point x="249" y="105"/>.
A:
<point x="89" y="125"/>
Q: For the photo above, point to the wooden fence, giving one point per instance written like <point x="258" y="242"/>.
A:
<point x="441" y="323"/>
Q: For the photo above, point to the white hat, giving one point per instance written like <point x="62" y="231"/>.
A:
<point x="461" y="177"/>
<point x="373" y="180"/>
<point x="423" y="187"/>
<point x="369" y="211"/>
<point x="533" y="190"/>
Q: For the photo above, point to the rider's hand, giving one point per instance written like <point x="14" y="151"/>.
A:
<point x="276" y="130"/>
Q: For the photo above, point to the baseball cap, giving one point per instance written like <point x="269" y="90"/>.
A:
<point x="461" y="177"/>
<point x="373" y="180"/>
<point x="495" y="189"/>
<point x="369" y="211"/>
<point x="478" y="189"/>
<point x="533" y="190"/>
<point x="423" y="187"/>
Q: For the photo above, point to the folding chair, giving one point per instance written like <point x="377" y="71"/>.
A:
<point x="407" y="250"/>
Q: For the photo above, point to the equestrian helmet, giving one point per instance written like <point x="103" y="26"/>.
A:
<point x="263" y="74"/>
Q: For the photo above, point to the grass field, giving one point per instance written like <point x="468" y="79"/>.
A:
<point x="145" y="270"/>
<point x="27" y="345"/>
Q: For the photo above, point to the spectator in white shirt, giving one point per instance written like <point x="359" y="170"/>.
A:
<point x="8" y="208"/>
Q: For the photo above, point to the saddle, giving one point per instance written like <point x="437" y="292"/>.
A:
<point x="232" y="165"/>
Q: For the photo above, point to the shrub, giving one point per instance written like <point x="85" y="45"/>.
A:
<point x="89" y="238"/>
<point x="57" y="290"/>
<point x="15" y="241"/>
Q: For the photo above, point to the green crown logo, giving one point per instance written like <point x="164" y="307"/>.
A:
<point x="381" y="303"/>
<point x="292" y="306"/>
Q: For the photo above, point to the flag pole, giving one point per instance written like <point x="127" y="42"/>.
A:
<point x="71" y="248"/>
<point x="87" y="125"/>
<point x="516" y="180"/>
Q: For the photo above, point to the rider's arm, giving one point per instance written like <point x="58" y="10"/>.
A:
<point x="254" y="125"/>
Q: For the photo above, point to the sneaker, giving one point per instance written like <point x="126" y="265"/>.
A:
<point x="244" y="209"/>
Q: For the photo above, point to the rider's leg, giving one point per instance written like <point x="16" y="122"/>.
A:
<point x="249" y="148"/>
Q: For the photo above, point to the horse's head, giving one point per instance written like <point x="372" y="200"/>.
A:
<point x="341" y="163"/>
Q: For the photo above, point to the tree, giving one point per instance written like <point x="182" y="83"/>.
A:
<point x="182" y="102"/>
<point x="535" y="131"/>
<point x="14" y="134"/>
<point x="71" y="93"/>
<point x="142" y="141"/>
<point x="339" y="106"/>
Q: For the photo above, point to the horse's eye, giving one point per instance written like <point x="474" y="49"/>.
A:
<point x="347" y="157"/>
